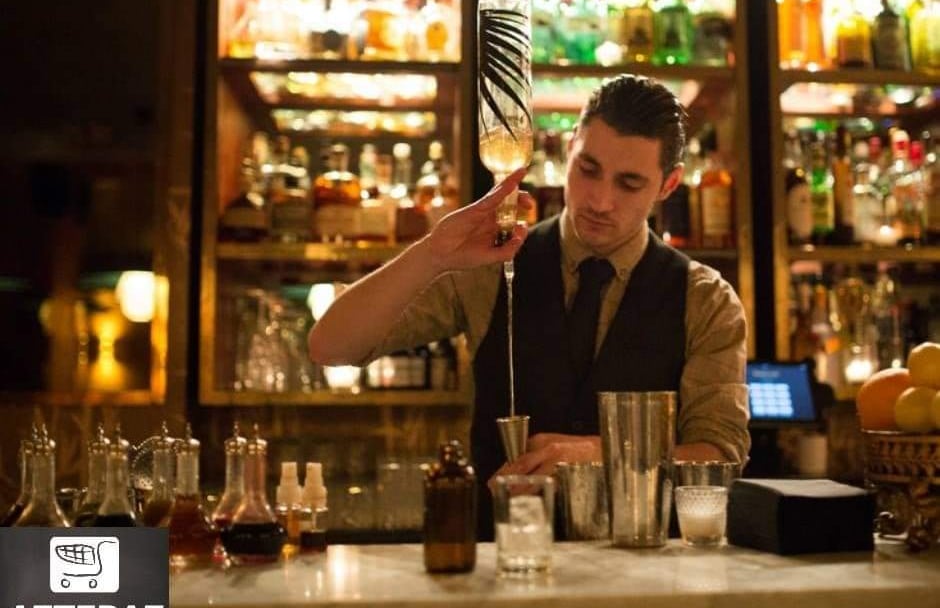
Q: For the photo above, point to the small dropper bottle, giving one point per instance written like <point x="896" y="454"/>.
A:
<point x="26" y="482"/>
<point x="161" y="497"/>
<point x="97" y="479"/>
<point x="287" y="506"/>
<point x="254" y="536"/>
<point x="116" y="510"/>
<point x="42" y="510"/>
<point x="192" y="535"/>
<point x="314" y="515"/>
<point x="234" y="480"/>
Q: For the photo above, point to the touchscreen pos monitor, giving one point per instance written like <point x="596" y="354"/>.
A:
<point x="779" y="394"/>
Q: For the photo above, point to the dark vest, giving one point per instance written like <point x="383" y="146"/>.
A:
<point x="644" y="349"/>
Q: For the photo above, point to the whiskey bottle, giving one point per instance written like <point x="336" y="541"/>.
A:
<point x="716" y="192"/>
<point x="289" y="193"/>
<point x="337" y="198"/>
<point x="247" y="218"/>
<point x="450" y="504"/>
<point x="411" y="220"/>
<point x="853" y="42"/>
<point x="889" y="40"/>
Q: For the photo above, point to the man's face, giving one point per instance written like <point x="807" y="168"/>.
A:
<point x="613" y="182"/>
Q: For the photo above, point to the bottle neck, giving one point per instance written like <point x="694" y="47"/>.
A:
<point x="116" y="500"/>
<point x="97" y="478"/>
<point x="255" y="475"/>
<point x="187" y="474"/>
<point x="234" y="474"/>
<point x="162" y="475"/>
<point x="43" y="473"/>
<point x="26" y="480"/>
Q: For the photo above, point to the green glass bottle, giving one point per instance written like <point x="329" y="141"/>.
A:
<point x="820" y="188"/>
<point x="672" y="34"/>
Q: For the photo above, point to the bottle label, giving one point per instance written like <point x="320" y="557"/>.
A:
<point x="290" y="220"/>
<point x="244" y="217"/>
<point x="824" y="220"/>
<point x="890" y="44"/>
<point x="377" y="222"/>
<point x="716" y="212"/>
<point x="800" y="212"/>
<point x="332" y="221"/>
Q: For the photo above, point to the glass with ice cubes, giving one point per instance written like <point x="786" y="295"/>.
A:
<point x="523" y="508"/>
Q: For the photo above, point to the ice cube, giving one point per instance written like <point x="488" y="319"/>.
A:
<point x="526" y="510"/>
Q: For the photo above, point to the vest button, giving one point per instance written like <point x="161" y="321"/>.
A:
<point x="577" y="426"/>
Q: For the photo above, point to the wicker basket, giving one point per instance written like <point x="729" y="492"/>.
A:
<point x="904" y="469"/>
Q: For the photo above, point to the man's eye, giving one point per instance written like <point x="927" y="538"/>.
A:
<point x="588" y="169"/>
<point x="630" y="187"/>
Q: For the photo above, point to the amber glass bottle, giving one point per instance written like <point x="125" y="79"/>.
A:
<point x="450" y="505"/>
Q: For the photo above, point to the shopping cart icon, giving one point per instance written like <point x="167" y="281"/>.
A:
<point x="84" y="564"/>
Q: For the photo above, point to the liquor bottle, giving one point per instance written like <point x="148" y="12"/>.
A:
<point x="247" y="218"/>
<point x="931" y="172"/>
<point x="546" y="176"/>
<point x="193" y="537"/>
<point x="828" y="345"/>
<point x="450" y="504"/>
<point x="243" y="35"/>
<point x="287" y="507"/>
<point x="315" y="512"/>
<point x="853" y="41"/>
<point x="411" y="220"/>
<point x="385" y="28"/>
<point x="842" y="188"/>
<point x="889" y="40"/>
<point x="337" y="199"/>
<point x="713" y="36"/>
<point x="254" y="536"/>
<point x="161" y="499"/>
<point x="717" y="200"/>
<point x="580" y="31"/>
<point x="814" y="54"/>
<point x="820" y="188"/>
<point x="42" y="510"/>
<point x="434" y="190"/>
<point x="377" y="217"/>
<point x="26" y="483"/>
<point x="692" y="177"/>
<point x="867" y="203"/>
<point x="803" y="343"/>
<point x="925" y="38"/>
<point x="672" y="34"/>
<point x="798" y="197"/>
<point x="885" y="304"/>
<point x="234" y="480"/>
<point x="116" y="509"/>
<point x="97" y="479"/>
<point x="907" y="189"/>
<point x="633" y="30"/>
<point x="289" y="194"/>
<point x="790" y="34"/>
<point x="440" y="31"/>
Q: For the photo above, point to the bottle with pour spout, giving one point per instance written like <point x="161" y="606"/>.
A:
<point x="42" y="510"/>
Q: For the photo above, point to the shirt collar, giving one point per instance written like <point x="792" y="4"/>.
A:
<point x="624" y="259"/>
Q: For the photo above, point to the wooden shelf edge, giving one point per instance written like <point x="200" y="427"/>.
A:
<point x="367" y="398"/>
<point x="314" y="252"/>
<point x="858" y="76"/>
<point x="230" y="64"/>
<point x="865" y="254"/>
<point x="665" y="72"/>
<point x="132" y="398"/>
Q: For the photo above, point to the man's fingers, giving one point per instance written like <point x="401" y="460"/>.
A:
<point x="495" y="196"/>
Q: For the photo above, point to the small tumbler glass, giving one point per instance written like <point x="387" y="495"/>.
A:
<point x="523" y="513"/>
<point x="702" y="512"/>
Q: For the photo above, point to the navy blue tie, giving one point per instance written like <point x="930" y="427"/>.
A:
<point x="593" y="274"/>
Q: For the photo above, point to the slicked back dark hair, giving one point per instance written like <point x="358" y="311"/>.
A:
<point x="636" y="105"/>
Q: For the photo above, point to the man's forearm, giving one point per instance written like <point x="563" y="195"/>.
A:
<point x="365" y="312"/>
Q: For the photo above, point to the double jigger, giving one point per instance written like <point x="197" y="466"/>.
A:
<point x="514" y="432"/>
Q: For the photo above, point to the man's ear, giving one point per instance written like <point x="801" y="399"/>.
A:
<point x="672" y="181"/>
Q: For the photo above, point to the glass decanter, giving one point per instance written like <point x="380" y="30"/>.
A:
<point x="97" y="479"/>
<point x="43" y="510"/>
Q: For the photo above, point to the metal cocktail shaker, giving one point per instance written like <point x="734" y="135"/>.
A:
<point x="637" y="439"/>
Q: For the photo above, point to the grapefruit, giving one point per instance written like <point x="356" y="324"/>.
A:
<point x="876" y="398"/>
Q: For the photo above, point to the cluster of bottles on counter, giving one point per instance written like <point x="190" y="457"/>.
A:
<point x="885" y="34"/>
<point x="280" y="201"/>
<point x="242" y="528"/>
<point x="852" y="326"/>
<point x="700" y="211"/>
<point x="611" y="32"/>
<point x="841" y="190"/>
<point x="390" y="30"/>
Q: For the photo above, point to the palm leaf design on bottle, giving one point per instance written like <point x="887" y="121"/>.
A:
<point x="505" y="52"/>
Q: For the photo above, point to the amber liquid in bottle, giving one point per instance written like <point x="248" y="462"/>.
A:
<point x="450" y="513"/>
<point x="191" y="533"/>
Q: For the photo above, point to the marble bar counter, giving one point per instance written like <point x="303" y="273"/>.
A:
<point x="593" y="575"/>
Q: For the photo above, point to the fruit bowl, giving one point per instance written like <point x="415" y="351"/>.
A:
<point x="904" y="470"/>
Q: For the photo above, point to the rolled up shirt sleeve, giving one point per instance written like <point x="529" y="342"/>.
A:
<point x="713" y="393"/>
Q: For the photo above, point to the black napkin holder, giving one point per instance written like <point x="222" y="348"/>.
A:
<point x="794" y="516"/>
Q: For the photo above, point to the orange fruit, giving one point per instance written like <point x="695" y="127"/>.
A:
<point x="912" y="409"/>
<point x="876" y="398"/>
<point x="924" y="364"/>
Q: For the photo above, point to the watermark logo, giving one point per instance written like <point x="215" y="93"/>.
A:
<point x="84" y="564"/>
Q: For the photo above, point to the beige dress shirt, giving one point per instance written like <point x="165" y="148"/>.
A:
<point x="712" y="394"/>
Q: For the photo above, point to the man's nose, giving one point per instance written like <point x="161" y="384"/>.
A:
<point x="602" y="198"/>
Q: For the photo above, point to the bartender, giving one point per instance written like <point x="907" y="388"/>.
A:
<point x="601" y="303"/>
